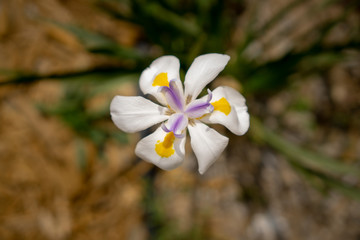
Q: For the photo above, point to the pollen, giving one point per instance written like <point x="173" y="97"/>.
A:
<point x="222" y="105"/>
<point x="161" y="80"/>
<point x="166" y="148"/>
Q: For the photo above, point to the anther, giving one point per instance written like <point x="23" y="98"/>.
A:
<point x="188" y="99"/>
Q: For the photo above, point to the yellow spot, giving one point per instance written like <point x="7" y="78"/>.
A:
<point x="222" y="105"/>
<point x="161" y="80"/>
<point x="166" y="147"/>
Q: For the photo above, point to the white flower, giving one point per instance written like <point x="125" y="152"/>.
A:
<point x="166" y="146"/>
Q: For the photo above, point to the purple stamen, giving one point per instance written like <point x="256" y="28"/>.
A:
<point x="181" y="135"/>
<point x="200" y="107"/>
<point x="163" y="126"/>
<point x="173" y="96"/>
<point x="209" y="95"/>
<point x="176" y="124"/>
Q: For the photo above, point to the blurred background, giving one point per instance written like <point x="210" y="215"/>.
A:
<point x="68" y="173"/>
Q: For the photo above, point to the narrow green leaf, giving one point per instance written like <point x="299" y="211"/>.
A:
<point x="98" y="43"/>
<point x="162" y="14"/>
<point x="307" y="158"/>
<point x="323" y="182"/>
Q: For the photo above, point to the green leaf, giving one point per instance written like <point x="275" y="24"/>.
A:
<point x="98" y="43"/>
<point x="160" y="13"/>
<point x="323" y="182"/>
<point x="312" y="160"/>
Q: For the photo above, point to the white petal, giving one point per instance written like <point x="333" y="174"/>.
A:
<point x="146" y="150"/>
<point x="133" y="114"/>
<point x="237" y="120"/>
<point x="164" y="64"/>
<point x="202" y="71"/>
<point x="207" y="144"/>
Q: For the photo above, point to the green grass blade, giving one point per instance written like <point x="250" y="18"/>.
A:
<point x="98" y="43"/>
<point x="312" y="160"/>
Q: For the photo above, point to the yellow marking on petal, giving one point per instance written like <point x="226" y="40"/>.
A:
<point x="166" y="148"/>
<point x="222" y="105"/>
<point x="199" y="118"/>
<point x="161" y="80"/>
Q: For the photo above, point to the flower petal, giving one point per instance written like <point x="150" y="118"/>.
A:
<point x="199" y="107"/>
<point x="174" y="96"/>
<point x="133" y="114"/>
<point x="207" y="144"/>
<point x="160" y="72"/>
<point x="162" y="149"/>
<point x="202" y="71"/>
<point x="230" y="110"/>
<point x="176" y="124"/>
